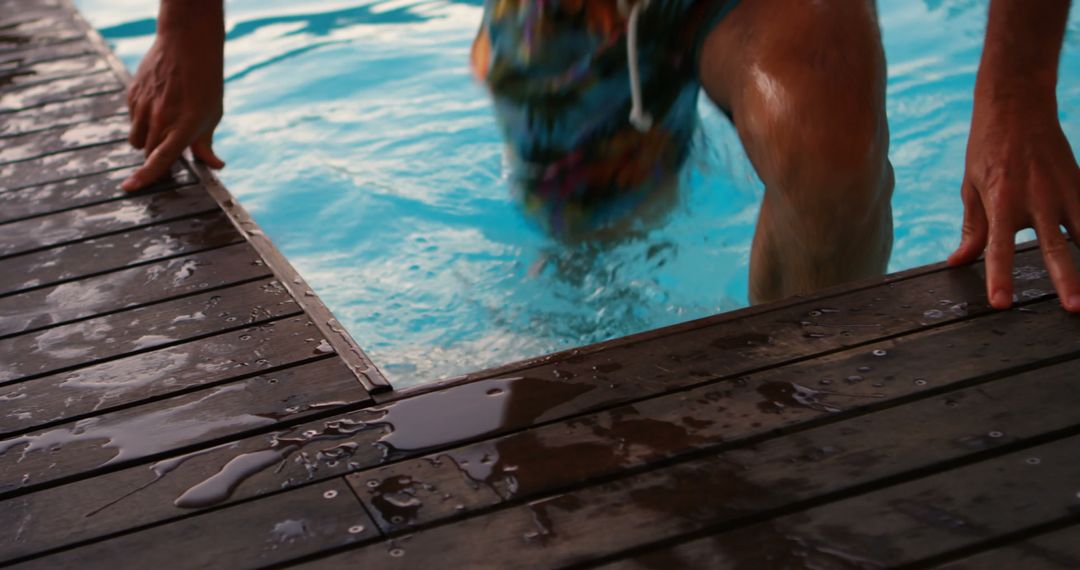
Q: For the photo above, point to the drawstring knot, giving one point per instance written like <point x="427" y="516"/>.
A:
<point x="640" y="119"/>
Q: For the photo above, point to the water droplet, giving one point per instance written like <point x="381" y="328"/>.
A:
<point x="397" y="552"/>
<point x="854" y="379"/>
<point x="494" y="392"/>
<point x="815" y="313"/>
<point x="996" y="434"/>
<point x="245" y="337"/>
<point x="952" y="403"/>
<point x="329" y="494"/>
<point x="397" y="519"/>
<point x="920" y="382"/>
<point x="356" y="529"/>
<point x="1033" y="461"/>
<point x="825" y="382"/>
<point x="879" y="352"/>
<point x="933" y="314"/>
<point x="459" y="507"/>
<point x="864" y="369"/>
<point x="372" y="483"/>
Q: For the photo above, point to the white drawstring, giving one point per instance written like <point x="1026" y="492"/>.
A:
<point x="641" y="120"/>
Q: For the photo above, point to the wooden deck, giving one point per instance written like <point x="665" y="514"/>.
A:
<point x="172" y="395"/>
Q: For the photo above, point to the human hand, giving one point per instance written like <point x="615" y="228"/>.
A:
<point x="175" y="100"/>
<point x="1020" y="173"/>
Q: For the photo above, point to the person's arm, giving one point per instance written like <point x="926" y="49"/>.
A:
<point x="1020" y="170"/>
<point x="176" y="98"/>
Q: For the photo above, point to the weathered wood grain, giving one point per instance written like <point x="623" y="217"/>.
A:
<point x="36" y="28"/>
<point x="131" y="435"/>
<point x="151" y="283"/>
<point x="63" y="113"/>
<point x="64" y="138"/>
<point x="723" y="415"/>
<point x="910" y="522"/>
<point x="54" y="167"/>
<point x="58" y="90"/>
<point x="87" y="342"/>
<point x="92" y="221"/>
<point x="274" y="530"/>
<point x="18" y="59"/>
<point x="134" y="497"/>
<point x="1058" y="550"/>
<point x="115" y="251"/>
<point x="50" y="70"/>
<point x="83" y="392"/>
<point x="80" y="191"/>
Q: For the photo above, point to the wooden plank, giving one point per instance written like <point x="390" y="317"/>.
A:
<point x="126" y="288"/>
<point x="78" y="192"/>
<point x="69" y="112"/>
<point x="710" y="418"/>
<point x="38" y="29"/>
<point x="140" y="377"/>
<point x="882" y="528"/>
<point x="910" y="522"/>
<point x="99" y="255"/>
<point x="1058" y="550"/>
<point x="135" y="497"/>
<point x="137" y="330"/>
<point x="64" y="138"/>
<point x="54" y="167"/>
<point x="62" y="507"/>
<point x="12" y="60"/>
<point x="272" y="531"/>
<point x="728" y="348"/>
<point x="51" y="70"/>
<point x="101" y="219"/>
<point x="58" y="90"/>
<point x="131" y="435"/>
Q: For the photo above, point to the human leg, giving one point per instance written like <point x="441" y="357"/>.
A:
<point x="804" y="83"/>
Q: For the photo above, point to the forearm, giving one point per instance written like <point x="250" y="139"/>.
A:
<point x="1022" y="49"/>
<point x="203" y="17"/>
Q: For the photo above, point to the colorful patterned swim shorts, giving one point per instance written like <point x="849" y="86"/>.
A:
<point x="560" y="76"/>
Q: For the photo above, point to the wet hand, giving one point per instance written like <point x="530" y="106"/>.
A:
<point x="175" y="100"/>
<point x="1020" y="173"/>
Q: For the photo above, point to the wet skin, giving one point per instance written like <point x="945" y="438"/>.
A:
<point x="805" y="84"/>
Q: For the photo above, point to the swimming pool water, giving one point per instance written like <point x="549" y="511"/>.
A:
<point x="358" y="140"/>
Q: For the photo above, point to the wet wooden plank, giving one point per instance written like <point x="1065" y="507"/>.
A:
<point x="714" y="417"/>
<point x="101" y="219"/>
<point x="361" y="446"/>
<point x="1058" y="550"/>
<point x="134" y="497"/>
<point x="883" y="528"/>
<point x="126" y="288"/>
<point x="115" y="251"/>
<point x="65" y="138"/>
<point x="88" y="342"/>
<point x="18" y="59"/>
<point x="69" y="112"/>
<point x="128" y="436"/>
<point x="78" y="192"/>
<point x="51" y="70"/>
<point x="54" y="167"/>
<point x="37" y="28"/>
<point x="913" y="521"/>
<point x="274" y="530"/>
<point x="733" y="346"/>
<point x="125" y="381"/>
<point x="59" y="90"/>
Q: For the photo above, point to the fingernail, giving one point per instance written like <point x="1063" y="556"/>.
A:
<point x="1000" y="299"/>
<point x="130" y="184"/>
<point x="1074" y="303"/>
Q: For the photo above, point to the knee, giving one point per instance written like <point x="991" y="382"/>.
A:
<point x="812" y="109"/>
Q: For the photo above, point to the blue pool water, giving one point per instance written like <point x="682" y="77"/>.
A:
<point x="357" y="138"/>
